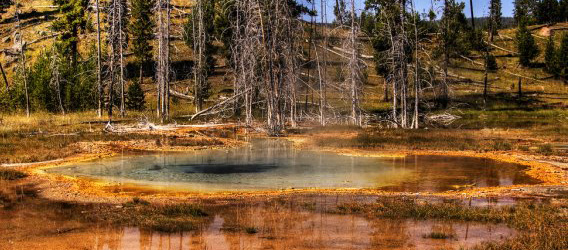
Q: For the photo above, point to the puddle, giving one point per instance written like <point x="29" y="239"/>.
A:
<point x="274" y="164"/>
<point x="250" y="227"/>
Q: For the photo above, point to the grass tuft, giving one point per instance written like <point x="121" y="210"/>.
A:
<point x="439" y="236"/>
<point x="251" y="230"/>
<point x="11" y="175"/>
<point x="540" y="226"/>
<point x="163" y="218"/>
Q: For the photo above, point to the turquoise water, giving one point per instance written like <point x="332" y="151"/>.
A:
<point x="270" y="164"/>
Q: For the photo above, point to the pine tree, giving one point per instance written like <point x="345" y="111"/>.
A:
<point x="136" y="100"/>
<point x="453" y="26"/>
<point x="551" y="57"/>
<point x="562" y="10"/>
<point x="562" y="57"/>
<point x="526" y="45"/>
<point x="340" y="12"/>
<point x="142" y="31"/>
<point x="495" y="17"/>
<point x="71" y="22"/>
<point x="525" y="10"/>
<point x="545" y="11"/>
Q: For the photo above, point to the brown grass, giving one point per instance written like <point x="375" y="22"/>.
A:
<point x="540" y="226"/>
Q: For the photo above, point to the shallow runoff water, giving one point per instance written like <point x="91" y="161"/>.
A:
<point x="272" y="164"/>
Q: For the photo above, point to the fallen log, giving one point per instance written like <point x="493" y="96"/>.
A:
<point x="180" y="95"/>
<point x="205" y="111"/>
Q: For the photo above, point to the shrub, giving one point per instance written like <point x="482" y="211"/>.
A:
<point x="135" y="97"/>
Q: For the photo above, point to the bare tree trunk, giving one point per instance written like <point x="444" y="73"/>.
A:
<point x="99" y="65"/>
<point x="355" y="71"/>
<point x="56" y="77"/>
<point x="4" y="76"/>
<point x="415" y="123"/>
<point x="112" y="37"/>
<point x="485" y="75"/>
<point x="472" y="15"/>
<point x="445" y="90"/>
<point x="520" y="88"/>
<point x="323" y="81"/>
<point x="23" y="60"/>
<point x="163" y="70"/>
<point x="159" y="61"/>
<point x="121" y="44"/>
<point x="404" y="65"/>
<point x="167" y="60"/>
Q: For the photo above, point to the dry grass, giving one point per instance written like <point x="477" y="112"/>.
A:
<point x="139" y="213"/>
<point x="11" y="175"/>
<point x="540" y="226"/>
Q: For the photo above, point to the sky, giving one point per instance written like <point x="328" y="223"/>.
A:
<point x="480" y="7"/>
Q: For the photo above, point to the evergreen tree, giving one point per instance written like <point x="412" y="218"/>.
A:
<point x="492" y="63"/>
<point x="71" y="22"/>
<point x="562" y="11"/>
<point x="551" y="57"/>
<point x="453" y="26"/>
<point x="142" y="31"/>
<point x="525" y="11"/>
<point x="495" y="17"/>
<point x="340" y="12"/>
<point x="136" y="99"/>
<point x="526" y="45"/>
<point x="563" y="58"/>
<point x="546" y="10"/>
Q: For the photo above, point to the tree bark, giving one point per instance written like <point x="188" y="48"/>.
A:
<point x="520" y="88"/>
<point x="4" y="77"/>
<point x="99" y="65"/>
<point x="472" y="15"/>
<point x="121" y="44"/>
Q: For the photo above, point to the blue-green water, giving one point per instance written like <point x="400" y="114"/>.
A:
<point x="268" y="164"/>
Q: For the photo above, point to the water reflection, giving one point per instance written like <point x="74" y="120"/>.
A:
<point x="275" y="164"/>
<point x="300" y="223"/>
<point x="307" y="231"/>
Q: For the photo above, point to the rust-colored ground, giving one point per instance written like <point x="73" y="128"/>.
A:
<point x="88" y="190"/>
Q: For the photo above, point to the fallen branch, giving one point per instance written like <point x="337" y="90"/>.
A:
<point x="522" y="76"/>
<point x="180" y="95"/>
<point x="218" y="104"/>
<point x="503" y="49"/>
<point x="42" y="39"/>
<point x="471" y="60"/>
<point x="349" y="53"/>
<point x="343" y="56"/>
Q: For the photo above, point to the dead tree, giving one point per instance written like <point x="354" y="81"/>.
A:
<point x="265" y="55"/>
<point x="117" y="39"/>
<point x="415" y="119"/>
<point x="163" y="59"/>
<point x="99" y="64"/>
<point x="201" y="53"/>
<point x="23" y="59"/>
<point x="322" y="66"/>
<point x="354" y="79"/>
<point x="405" y="86"/>
<point x="56" y="77"/>
<point x="4" y="77"/>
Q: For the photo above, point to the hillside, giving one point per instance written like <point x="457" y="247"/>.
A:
<point x="541" y="90"/>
